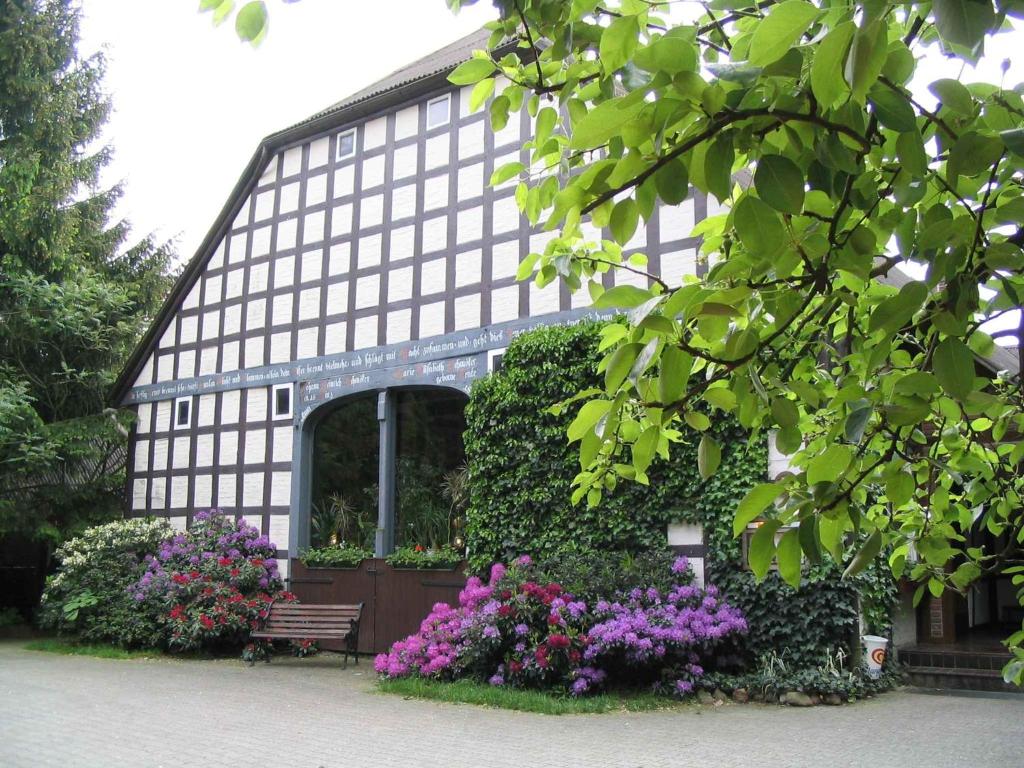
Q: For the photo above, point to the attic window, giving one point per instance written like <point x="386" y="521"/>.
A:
<point x="182" y="412"/>
<point x="438" y="111"/>
<point x="347" y="144"/>
<point x="282" y="401"/>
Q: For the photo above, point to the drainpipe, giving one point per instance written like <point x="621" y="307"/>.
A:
<point x="384" y="543"/>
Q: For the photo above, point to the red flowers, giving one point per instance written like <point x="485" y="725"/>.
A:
<point x="225" y="561"/>
<point x="419" y="548"/>
<point x="179" y="578"/>
<point x="206" y="621"/>
<point x="505" y="611"/>
<point x="177" y="613"/>
<point x="558" y="641"/>
<point x="234" y="573"/>
<point x="257" y="561"/>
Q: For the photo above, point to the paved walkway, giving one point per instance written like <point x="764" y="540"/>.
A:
<point x="76" y="711"/>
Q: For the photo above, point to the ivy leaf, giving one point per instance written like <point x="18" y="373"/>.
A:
<point x="762" y="548"/>
<point x="754" y="503"/>
<point x="780" y="30"/>
<point x="868" y="552"/>
<point x="789" y="557"/>
<point x="953" y="365"/>
<point x="709" y="456"/>
<point x="780" y="183"/>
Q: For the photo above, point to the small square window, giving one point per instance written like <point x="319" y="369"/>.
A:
<point x="438" y="111"/>
<point x="282" y="401"/>
<point x="347" y="144"/>
<point x="183" y="412"/>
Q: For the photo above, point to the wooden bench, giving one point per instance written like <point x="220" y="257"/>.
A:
<point x="295" y="621"/>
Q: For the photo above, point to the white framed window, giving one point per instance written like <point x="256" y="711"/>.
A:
<point x="282" y="401"/>
<point x="182" y="412"/>
<point x="347" y="144"/>
<point x="438" y="111"/>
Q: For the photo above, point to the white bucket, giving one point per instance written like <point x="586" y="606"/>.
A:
<point x="874" y="653"/>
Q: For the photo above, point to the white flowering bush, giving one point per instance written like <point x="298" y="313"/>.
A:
<point x="89" y="595"/>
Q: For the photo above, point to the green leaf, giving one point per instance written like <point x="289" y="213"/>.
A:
<point x="546" y="120"/>
<point x="1014" y="140"/>
<point x="953" y="365"/>
<point x="782" y="28"/>
<point x="709" y="456"/>
<point x="506" y="172"/>
<point x="603" y="121"/>
<point x="790" y="556"/>
<point x="856" y="423"/>
<point x="618" y="42"/>
<point x="674" y="375"/>
<point x="591" y="413"/>
<point x="892" y="109"/>
<point x="785" y="412"/>
<point x="472" y="71"/>
<point x="866" y="58"/>
<point x="896" y="311"/>
<point x="669" y="53"/>
<point x="964" y="22"/>
<point x="826" y="81"/>
<point x="827" y="467"/>
<point x="718" y="167"/>
<point x="672" y="182"/>
<point x="644" y="448"/>
<point x="759" y="227"/>
<point x="953" y="94"/>
<point x="619" y="365"/>
<point x="868" y="552"/>
<point x="251" y="22"/>
<point x="481" y="93"/>
<point x="754" y="503"/>
<point x="780" y="183"/>
<point x="762" y="548"/>
<point x="697" y="420"/>
<point x="624" y="220"/>
<point x="624" y="296"/>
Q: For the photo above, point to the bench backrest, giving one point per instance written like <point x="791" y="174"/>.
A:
<point x="298" y="616"/>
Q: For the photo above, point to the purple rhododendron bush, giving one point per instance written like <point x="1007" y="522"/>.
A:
<point x="518" y="632"/>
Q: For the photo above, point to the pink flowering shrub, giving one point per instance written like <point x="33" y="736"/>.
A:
<point x="516" y="631"/>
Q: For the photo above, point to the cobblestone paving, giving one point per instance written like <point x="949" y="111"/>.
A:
<point x="76" y="711"/>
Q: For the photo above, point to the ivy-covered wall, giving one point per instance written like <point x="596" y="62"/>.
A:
<point x="521" y="470"/>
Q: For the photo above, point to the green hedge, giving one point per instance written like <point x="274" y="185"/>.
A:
<point x="521" y="471"/>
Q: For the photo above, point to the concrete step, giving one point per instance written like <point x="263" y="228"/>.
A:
<point x="960" y="679"/>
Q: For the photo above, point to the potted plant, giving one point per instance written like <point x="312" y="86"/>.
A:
<point x="419" y="558"/>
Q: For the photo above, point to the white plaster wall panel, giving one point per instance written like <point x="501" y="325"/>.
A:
<point x="435" y="193"/>
<point x="280" y="496"/>
<point x="337" y="298"/>
<point x="312" y="266"/>
<point x="544" y="300"/>
<point x="373" y="172"/>
<point x="436" y="153"/>
<point x="676" y="264"/>
<point x="204" y="451"/>
<point x="158" y="493"/>
<point x="165" y="367"/>
<point x="278" y="529"/>
<point x="146" y="374"/>
<point x="181" y="447"/>
<point x="622" y="277"/>
<point x="341" y="220"/>
<point x="371" y="211"/>
<point x="676" y="222"/>
<point x="407" y="122"/>
<point x="187" y="364"/>
<point x="252" y="489"/>
<point x="339" y="259"/>
<point x="286" y="233"/>
<point x="211" y="325"/>
<point x="471" y="140"/>
<point x="365" y="332"/>
<point x="334" y="338"/>
<point x="229" y="357"/>
<point x="189" y="329"/>
<point x="468" y="268"/>
<point x="207" y="361"/>
<point x="403" y="243"/>
<point x="255" y="352"/>
<point x="505" y="304"/>
<point x="307" y="341"/>
<point x="316" y="189"/>
<point x="270" y="172"/>
<point x="242" y="217"/>
<point x="467" y="312"/>
<point x="370" y="251"/>
<point x="258" y="277"/>
<point x="212" y="291"/>
<point x="255" y="446"/>
<point x="229" y="405"/>
<point x="435" y="234"/>
<point x="260" y="243"/>
<point x="139" y="488"/>
<point x="344" y="181"/>
<point x="432" y="319"/>
<point x="319" y="152"/>
<point x="313" y="228"/>
<point x="309" y="303"/>
<point x="400" y="284"/>
<point x="639" y="238"/>
<point x="179" y="492"/>
<point x="160" y="455"/>
<point x="167" y="339"/>
<point x="367" y="291"/>
<point x="282" y="446"/>
<point x="580" y="299"/>
<point x="403" y="201"/>
<point x="464" y="94"/>
<point x="280" y="347"/>
<point x="202" y="492"/>
<point x="404" y="159"/>
<point x="178" y="522"/>
<point x="504" y="259"/>
<point x="292" y="162"/>
<point x="226" y="485"/>
<point x="470" y="225"/>
<point x="232" y="319"/>
<point x="282" y="312"/>
<point x="191" y="300"/>
<point x="375" y="133"/>
<point x="504" y="216"/>
<point x="509" y="134"/>
<point x="432" y="276"/>
<point x="284" y="271"/>
<point x="399" y="327"/>
<point x="143" y="416"/>
<point x="255" y="314"/>
<point x="228" y="448"/>
<point x="236" y="252"/>
<point x="163" y="416"/>
<point x="141" y="455"/>
<point x="233" y="284"/>
<point x="256" y="404"/>
<point x="539" y="241"/>
<point x="206" y="410"/>
<point x="264" y="205"/>
<point x="217" y="259"/>
<point x="471" y="181"/>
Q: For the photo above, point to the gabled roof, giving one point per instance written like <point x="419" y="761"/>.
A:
<point x="404" y="84"/>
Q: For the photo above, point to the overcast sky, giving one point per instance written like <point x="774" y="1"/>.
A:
<point x="191" y="102"/>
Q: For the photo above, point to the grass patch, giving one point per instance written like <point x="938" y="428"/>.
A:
<point x="471" y="692"/>
<point x="67" y="648"/>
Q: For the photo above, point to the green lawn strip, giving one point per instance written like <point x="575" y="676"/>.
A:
<point x="68" y="648"/>
<point x="470" y="692"/>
